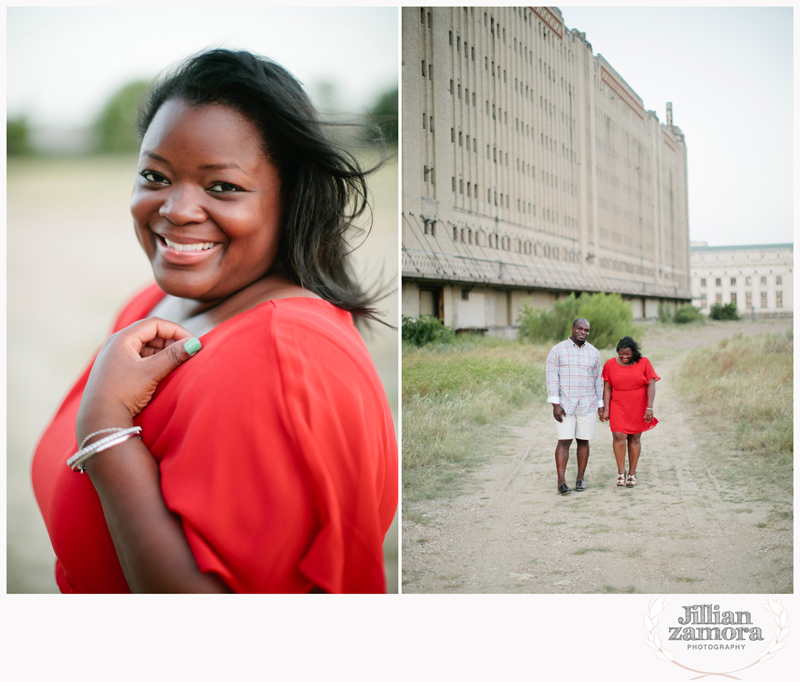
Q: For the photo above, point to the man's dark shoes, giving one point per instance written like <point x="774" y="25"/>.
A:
<point x="564" y="489"/>
<point x="580" y="485"/>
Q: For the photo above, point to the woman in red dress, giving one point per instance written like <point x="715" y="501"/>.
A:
<point x="628" y="395"/>
<point x="266" y="459"/>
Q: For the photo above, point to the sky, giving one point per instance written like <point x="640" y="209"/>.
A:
<point x="64" y="63"/>
<point x="728" y="73"/>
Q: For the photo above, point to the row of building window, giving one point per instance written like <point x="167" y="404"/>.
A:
<point x="505" y="199"/>
<point x="486" y="19"/>
<point x="520" y="126"/>
<point x="472" y="190"/>
<point x="748" y="299"/>
<point x="519" y="48"/>
<point x="747" y="281"/>
<point x="506" y="243"/>
<point x="546" y="141"/>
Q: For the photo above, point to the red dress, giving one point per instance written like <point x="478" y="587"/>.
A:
<point x="629" y="395"/>
<point x="276" y="449"/>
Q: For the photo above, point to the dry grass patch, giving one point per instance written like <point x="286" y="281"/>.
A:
<point x="456" y="397"/>
<point x="742" y="387"/>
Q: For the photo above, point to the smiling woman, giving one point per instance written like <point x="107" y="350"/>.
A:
<point x="266" y="459"/>
<point x="207" y="206"/>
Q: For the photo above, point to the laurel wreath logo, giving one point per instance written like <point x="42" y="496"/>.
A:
<point x="776" y="643"/>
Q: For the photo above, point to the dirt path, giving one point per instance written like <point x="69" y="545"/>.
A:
<point x="680" y="530"/>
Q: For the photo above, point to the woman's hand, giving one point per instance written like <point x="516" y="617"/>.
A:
<point x="651" y="398"/>
<point x="127" y="371"/>
<point x="607" y="391"/>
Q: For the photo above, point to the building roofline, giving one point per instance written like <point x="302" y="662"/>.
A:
<point x="742" y="247"/>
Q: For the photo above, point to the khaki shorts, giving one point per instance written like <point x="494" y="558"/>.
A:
<point x="580" y="426"/>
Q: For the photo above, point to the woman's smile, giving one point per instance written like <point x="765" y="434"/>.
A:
<point x="207" y="201"/>
<point x="186" y="254"/>
<point x="187" y="247"/>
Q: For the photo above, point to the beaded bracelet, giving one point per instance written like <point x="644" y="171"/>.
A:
<point x="120" y="435"/>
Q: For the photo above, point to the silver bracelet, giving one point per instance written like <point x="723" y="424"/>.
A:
<point x="76" y="462"/>
<point x="97" y="433"/>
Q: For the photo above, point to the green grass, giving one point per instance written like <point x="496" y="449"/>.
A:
<point x="451" y="394"/>
<point x="742" y="388"/>
<point x="585" y="550"/>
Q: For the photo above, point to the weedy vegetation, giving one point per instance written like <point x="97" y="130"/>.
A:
<point x="743" y="389"/>
<point x="610" y="318"/>
<point x="723" y="312"/>
<point x="451" y="393"/>
<point x="426" y="329"/>
<point x="684" y="314"/>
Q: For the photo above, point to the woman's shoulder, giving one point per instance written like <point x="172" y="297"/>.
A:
<point x="291" y="316"/>
<point x="305" y="330"/>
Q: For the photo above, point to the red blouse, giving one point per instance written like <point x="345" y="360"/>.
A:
<point x="276" y="449"/>
<point x="629" y="395"/>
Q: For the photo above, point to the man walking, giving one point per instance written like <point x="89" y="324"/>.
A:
<point x="575" y="388"/>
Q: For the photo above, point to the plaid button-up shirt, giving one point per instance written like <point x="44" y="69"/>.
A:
<point x="575" y="377"/>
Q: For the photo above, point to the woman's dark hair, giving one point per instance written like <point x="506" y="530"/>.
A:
<point x="323" y="187"/>
<point x="628" y="342"/>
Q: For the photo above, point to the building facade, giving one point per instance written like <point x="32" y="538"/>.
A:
<point x="531" y="169"/>
<point x="756" y="278"/>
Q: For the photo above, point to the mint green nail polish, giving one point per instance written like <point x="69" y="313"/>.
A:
<point x="192" y="346"/>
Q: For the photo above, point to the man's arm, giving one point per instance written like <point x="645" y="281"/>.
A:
<point x="553" y="392"/>
<point x="598" y="385"/>
<point x="551" y="375"/>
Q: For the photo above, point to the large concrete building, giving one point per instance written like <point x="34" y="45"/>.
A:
<point x="531" y="169"/>
<point x="756" y="278"/>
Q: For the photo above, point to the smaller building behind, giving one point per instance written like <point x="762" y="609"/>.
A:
<point x="757" y="278"/>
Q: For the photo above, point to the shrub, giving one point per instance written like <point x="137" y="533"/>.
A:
<point x="426" y="329"/>
<point x="549" y="325"/>
<point x="608" y="315"/>
<point x="610" y="319"/>
<point x="724" y="312"/>
<point x="664" y="312"/>
<point x="686" y="313"/>
<point x="17" y="137"/>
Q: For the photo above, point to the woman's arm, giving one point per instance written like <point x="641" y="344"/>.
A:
<point x="606" y="401"/>
<point x="151" y="546"/>
<point x="651" y="396"/>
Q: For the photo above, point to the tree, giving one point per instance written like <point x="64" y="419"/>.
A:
<point x="116" y="127"/>
<point x="17" y="137"/>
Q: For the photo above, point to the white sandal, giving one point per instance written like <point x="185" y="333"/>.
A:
<point x="631" y="480"/>
<point x="620" y="480"/>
